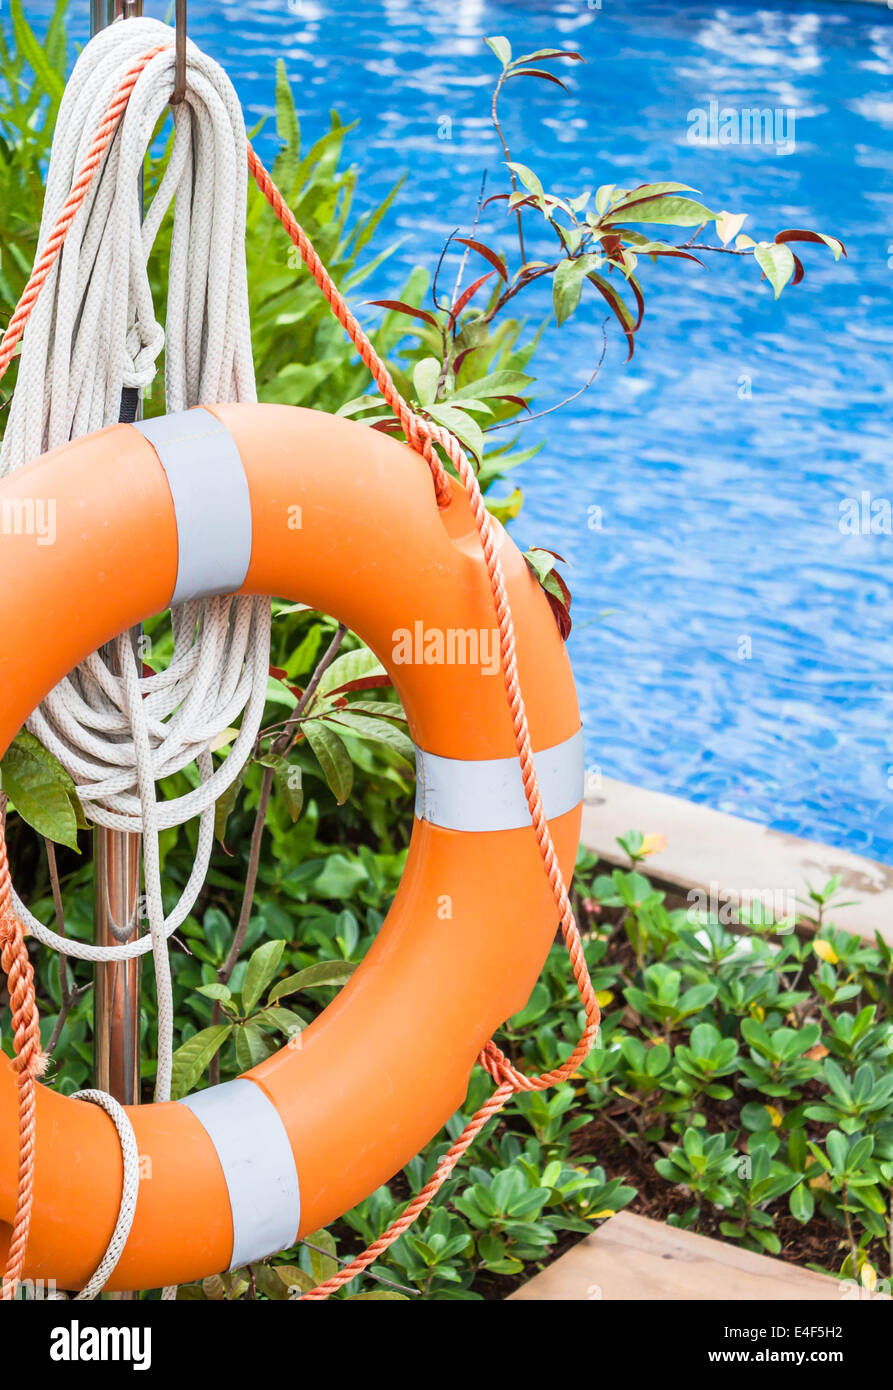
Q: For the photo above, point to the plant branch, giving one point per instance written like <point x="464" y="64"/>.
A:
<point x="724" y="250"/>
<point x="508" y="158"/>
<point x="65" y="997"/>
<point x="525" y="419"/>
<point x="257" y="834"/>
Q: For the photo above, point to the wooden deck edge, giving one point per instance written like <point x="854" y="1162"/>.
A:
<point x="633" y="1258"/>
<point x="721" y="861"/>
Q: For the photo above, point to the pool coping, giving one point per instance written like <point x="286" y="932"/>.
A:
<point x="726" y="858"/>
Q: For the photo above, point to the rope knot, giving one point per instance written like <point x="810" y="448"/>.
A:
<point x="498" y="1066"/>
<point x="142" y="355"/>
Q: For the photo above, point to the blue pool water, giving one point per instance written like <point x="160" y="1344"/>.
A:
<point x="730" y="644"/>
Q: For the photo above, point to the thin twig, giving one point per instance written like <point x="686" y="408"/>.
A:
<point x="284" y="739"/>
<point x="508" y="158"/>
<point x="724" y="250"/>
<point x="74" y="997"/>
<point x="525" y="419"/>
<point x="474" y="226"/>
<point x="257" y="833"/>
<point x="444" y="308"/>
<point x="448" y="345"/>
<point x="64" y="991"/>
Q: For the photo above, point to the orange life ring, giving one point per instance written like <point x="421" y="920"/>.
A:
<point x="239" y="1171"/>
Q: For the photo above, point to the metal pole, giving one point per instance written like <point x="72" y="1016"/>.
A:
<point x="117" y="857"/>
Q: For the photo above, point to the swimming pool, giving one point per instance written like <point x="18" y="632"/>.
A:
<point x="732" y="645"/>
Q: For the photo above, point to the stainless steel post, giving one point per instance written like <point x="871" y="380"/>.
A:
<point x="117" y="856"/>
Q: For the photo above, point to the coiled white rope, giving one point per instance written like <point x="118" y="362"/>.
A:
<point x="129" y="1190"/>
<point x="92" y="334"/>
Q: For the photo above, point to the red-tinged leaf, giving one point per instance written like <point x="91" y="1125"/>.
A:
<point x="490" y="256"/>
<point x="493" y="198"/>
<point x="682" y="255"/>
<point x="296" y="690"/>
<point x="538" y="72"/>
<point x="457" y="364"/>
<point x="612" y="242"/>
<point x="387" y="426"/>
<point x="378" y="709"/>
<point x="545" y="54"/>
<point x="398" y="307"/>
<point x="561" y="615"/>
<point x="362" y="683"/>
<point x="521" y="200"/>
<point x="640" y="300"/>
<point x="555" y="578"/>
<point x="278" y="673"/>
<point x="799" y="271"/>
<point x="621" y="313"/>
<point x="515" y="400"/>
<point x="554" y="553"/>
<point x="801" y="234"/>
<point x="469" y="294"/>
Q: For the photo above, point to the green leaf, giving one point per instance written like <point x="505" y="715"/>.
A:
<point x="286" y="1020"/>
<point x="838" y="1149"/>
<point x="324" y="1265"/>
<point x="567" y="284"/>
<point x="657" y="190"/>
<point x="287" y="777"/>
<point x="668" y="210"/>
<point x="567" y="287"/>
<point x="425" y="376"/>
<point x="192" y="1059"/>
<point x="466" y="430"/>
<point x="528" y="178"/>
<point x="287" y="128"/>
<point x="776" y="262"/>
<point x="379" y="1296"/>
<point x="507" y="508"/>
<point x="47" y="78"/>
<point x="351" y="666"/>
<point x="378" y="730"/>
<point x="294" y="1277"/>
<point x="325" y="972"/>
<point x="225" y="804"/>
<point x="215" y="990"/>
<point x="262" y="968"/>
<point x="333" y="758"/>
<point x="502" y="383"/>
<point x="251" y="1046"/>
<point x="501" y="47"/>
<point x="270" y="1283"/>
<point x="40" y="790"/>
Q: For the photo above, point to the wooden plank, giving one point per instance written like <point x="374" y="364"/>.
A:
<point x="632" y="1257"/>
<point x="725" y="858"/>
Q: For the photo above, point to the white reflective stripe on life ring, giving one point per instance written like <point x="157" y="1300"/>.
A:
<point x="488" y="793"/>
<point x="258" y="1164"/>
<point x="212" y="504"/>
